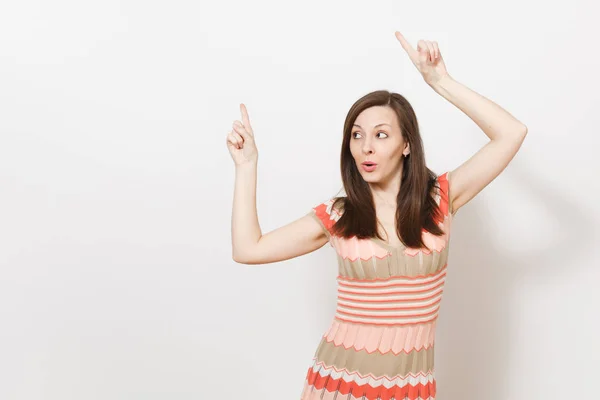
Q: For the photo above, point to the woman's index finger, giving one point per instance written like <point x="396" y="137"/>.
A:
<point x="405" y="45"/>
<point x="245" y="117"/>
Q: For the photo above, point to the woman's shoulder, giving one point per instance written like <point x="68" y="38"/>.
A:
<point x="328" y="212"/>
<point x="333" y="207"/>
<point x="443" y="192"/>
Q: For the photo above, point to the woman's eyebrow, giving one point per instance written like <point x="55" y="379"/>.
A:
<point x="374" y="126"/>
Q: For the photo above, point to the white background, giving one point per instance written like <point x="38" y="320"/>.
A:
<point x="116" y="277"/>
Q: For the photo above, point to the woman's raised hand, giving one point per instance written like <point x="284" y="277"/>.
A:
<point x="427" y="58"/>
<point x="240" y="141"/>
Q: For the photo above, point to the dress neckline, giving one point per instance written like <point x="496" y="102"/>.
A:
<point x="386" y="245"/>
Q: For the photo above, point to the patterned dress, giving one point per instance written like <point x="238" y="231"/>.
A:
<point x="380" y="344"/>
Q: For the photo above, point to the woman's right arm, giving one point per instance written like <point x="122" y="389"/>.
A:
<point x="249" y="245"/>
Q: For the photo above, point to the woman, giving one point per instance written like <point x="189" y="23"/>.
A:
<point x="380" y="344"/>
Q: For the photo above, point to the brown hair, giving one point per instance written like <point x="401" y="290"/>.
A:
<point x="416" y="205"/>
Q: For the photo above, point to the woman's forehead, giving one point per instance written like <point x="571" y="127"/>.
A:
<point x="376" y="116"/>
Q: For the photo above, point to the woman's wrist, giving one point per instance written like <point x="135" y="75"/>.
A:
<point x="247" y="164"/>
<point x="441" y="83"/>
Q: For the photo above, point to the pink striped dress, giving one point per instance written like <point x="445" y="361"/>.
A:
<point x="380" y="344"/>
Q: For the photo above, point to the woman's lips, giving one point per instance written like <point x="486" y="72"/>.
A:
<point x="369" y="168"/>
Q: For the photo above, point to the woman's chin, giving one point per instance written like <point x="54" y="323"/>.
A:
<point x="370" y="178"/>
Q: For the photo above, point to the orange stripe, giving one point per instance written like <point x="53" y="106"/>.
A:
<point x="389" y="316"/>
<point x="443" y="181"/>
<point x="366" y="391"/>
<point x="392" y="293"/>
<point x="392" y="308"/>
<point x="420" y="322"/>
<point x="393" y="284"/>
<point x="391" y="301"/>
<point x="321" y="212"/>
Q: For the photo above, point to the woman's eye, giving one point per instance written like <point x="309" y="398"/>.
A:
<point x="354" y="134"/>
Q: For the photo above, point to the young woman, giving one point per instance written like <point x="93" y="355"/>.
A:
<point x="390" y="232"/>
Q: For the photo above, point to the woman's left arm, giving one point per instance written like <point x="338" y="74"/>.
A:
<point x="506" y="135"/>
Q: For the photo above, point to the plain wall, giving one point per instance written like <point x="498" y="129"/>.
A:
<point x="116" y="186"/>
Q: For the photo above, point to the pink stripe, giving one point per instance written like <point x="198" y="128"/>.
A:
<point x="384" y="339"/>
<point x="354" y="248"/>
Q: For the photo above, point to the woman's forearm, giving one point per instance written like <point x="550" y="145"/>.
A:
<point x="495" y="122"/>
<point x="245" y="229"/>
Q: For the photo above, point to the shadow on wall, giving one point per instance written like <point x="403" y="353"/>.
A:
<point x="475" y="333"/>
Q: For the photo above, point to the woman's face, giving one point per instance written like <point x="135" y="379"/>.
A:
<point x="376" y="137"/>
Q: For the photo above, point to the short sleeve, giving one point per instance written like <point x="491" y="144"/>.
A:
<point x="445" y="200"/>
<point x="325" y="215"/>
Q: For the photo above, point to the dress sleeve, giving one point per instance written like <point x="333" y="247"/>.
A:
<point x="325" y="215"/>
<point x="445" y="200"/>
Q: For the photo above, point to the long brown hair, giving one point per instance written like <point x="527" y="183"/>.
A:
<point x="416" y="205"/>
